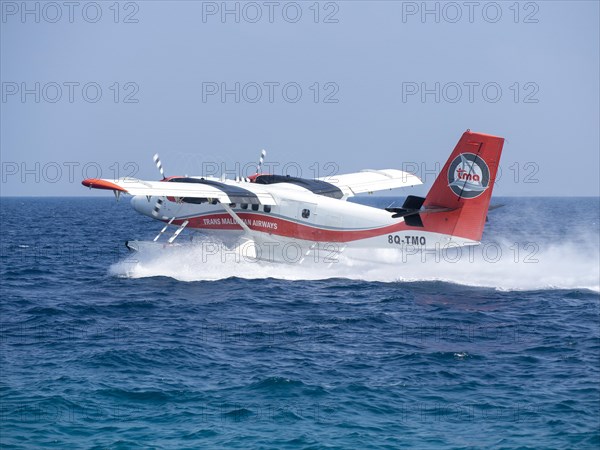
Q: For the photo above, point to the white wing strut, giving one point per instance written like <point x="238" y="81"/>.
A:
<point x="237" y="219"/>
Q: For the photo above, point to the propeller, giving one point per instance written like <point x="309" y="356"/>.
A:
<point x="159" y="202"/>
<point x="156" y="211"/>
<point x="159" y="166"/>
<point x="157" y="206"/>
<point x="261" y="160"/>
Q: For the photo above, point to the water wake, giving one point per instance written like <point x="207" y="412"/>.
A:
<point x="502" y="265"/>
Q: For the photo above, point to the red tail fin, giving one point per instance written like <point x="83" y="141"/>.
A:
<point x="465" y="184"/>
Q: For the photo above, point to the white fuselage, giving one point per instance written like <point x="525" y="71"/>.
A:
<point x="302" y="217"/>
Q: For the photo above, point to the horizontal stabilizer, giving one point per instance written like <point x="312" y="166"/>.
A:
<point x="491" y="208"/>
<point x="413" y="220"/>
<point x="413" y="202"/>
<point x="412" y="205"/>
<point x="411" y="211"/>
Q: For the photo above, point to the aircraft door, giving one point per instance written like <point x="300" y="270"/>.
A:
<point x="305" y="217"/>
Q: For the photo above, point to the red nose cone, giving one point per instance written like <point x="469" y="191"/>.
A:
<point x="97" y="183"/>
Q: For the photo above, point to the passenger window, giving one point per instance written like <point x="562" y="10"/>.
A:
<point x="267" y="208"/>
<point x="232" y="205"/>
<point x="244" y="205"/>
<point x="255" y="207"/>
<point x="306" y="213"/>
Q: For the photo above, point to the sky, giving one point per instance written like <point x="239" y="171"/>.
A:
<point x="94" y="89"/>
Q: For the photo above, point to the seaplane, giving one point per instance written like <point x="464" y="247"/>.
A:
<point x="286" y="219"/>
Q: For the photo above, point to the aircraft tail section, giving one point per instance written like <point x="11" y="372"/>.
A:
<point x="457" y="203"/>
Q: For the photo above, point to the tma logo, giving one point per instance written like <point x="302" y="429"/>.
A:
<point x="468" y="175"/>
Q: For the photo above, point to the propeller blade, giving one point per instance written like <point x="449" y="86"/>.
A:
<point x="157" y="207"/>
<point x="261" y="160"/>
<point x="159" y="165"/>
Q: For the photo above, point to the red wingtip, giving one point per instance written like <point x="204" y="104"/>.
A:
<point x="97" y="183"/>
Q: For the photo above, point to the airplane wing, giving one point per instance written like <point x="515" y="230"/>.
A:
<point x="187" y="188"/>
<point x="372" y="180"/>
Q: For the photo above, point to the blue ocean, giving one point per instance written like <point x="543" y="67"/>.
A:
<point x="494" y="347"/>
